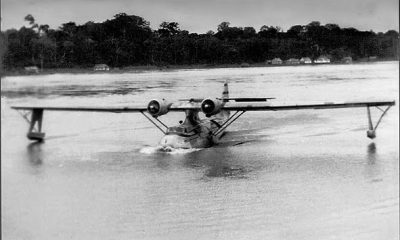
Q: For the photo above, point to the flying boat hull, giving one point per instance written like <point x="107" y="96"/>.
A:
<point x="176" y="141"/>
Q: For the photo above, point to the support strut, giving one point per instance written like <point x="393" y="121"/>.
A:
<point x="228" y="122"/>
<point x="155" y="124"/>
<point x="371" y="132"/>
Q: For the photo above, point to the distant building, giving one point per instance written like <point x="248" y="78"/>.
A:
<point x="292" y="61"/>
<point x="372" y="58"/>
<point x="347" y="60"/>
<point x="244" y="65"/>
<point x="276" y="61"/>
<point x="101" y="67"/>
<point x="305" y="60"/>
<point x="32" y="69"/>
<point x="322" y="59"/>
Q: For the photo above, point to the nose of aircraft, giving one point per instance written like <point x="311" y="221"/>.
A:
<point x="174" y="141"/>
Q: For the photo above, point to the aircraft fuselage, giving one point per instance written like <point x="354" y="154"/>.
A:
<point x="192" y="133"/>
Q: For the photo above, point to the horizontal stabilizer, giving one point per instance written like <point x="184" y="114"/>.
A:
<point x="248" y="99"/>
<point x="229" y="99"/>
<point x="191" y="99"/>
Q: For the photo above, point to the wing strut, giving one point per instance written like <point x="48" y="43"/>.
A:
<point x="155" y="124"/>
<point x="228" y="122"/>
<point x="371" y="132"/>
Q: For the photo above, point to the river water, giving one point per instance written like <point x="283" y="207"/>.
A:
<point x="309" y="174"/>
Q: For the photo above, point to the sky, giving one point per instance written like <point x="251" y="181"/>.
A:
<point x="200" y="16"/>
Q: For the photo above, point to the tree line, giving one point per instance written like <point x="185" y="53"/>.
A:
<point x="128" y="40"/>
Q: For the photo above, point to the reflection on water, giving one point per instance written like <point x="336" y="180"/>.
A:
<point x="219" y="163"/>
<point x="34" y="153"/>
<point x="224" y="170"/>
<point x="371" y="153"/>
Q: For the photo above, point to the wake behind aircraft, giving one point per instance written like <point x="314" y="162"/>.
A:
<point x="195" y="132"/>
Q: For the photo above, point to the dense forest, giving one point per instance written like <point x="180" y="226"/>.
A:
<point x="128" y="40"/>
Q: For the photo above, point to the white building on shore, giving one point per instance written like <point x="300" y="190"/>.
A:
<point x="32" y="69"/>
<point x="276" y="61"/>
<point x="322" y="59"/>
<point x="101" y="67"/>
<point x="305" y="60"/>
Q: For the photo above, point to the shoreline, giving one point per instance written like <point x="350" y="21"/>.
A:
<point x="153" y="68"/>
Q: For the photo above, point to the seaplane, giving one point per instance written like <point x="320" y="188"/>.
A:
<point x="196" y="132"/>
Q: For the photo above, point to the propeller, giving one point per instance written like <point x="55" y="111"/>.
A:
<point x="208" y="106"/>
<point x="157" y="108"/>
<point x="153" y="107"/>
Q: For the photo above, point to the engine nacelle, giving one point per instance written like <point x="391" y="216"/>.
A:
<point x="158" y="108"/>
<point x="211" y="106"/>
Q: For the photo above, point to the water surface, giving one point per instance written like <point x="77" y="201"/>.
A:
<point x="308" y="174"/>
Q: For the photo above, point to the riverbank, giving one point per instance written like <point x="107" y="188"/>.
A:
<point x="144" y="68"/>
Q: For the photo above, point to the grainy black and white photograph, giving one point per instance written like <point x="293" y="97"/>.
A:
<point x="214" y="119"/>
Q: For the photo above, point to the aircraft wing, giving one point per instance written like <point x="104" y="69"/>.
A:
<point x="328" y="105"/>
<point x="208" y="107"/>
<point x="82" y="109"/>
<point x="237" y="106"/>
<point x="181" y="107"/>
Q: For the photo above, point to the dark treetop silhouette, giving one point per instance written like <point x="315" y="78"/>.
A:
<point x="128" y="40"/>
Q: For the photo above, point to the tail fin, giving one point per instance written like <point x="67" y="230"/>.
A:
<point x="225" y="98"/>
<point x="225" y="93"/>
